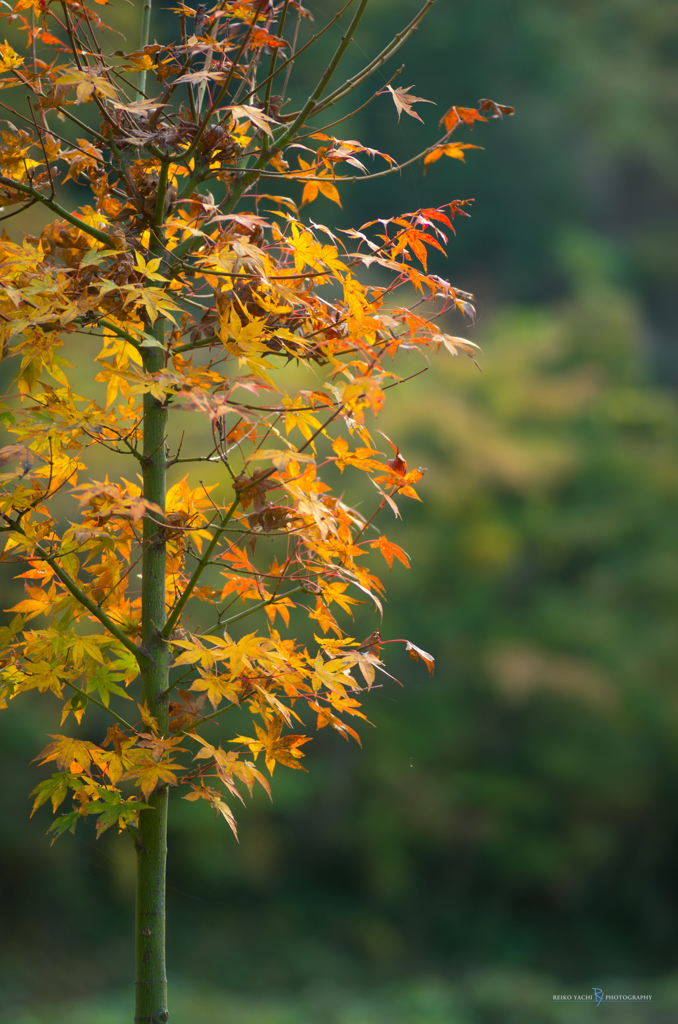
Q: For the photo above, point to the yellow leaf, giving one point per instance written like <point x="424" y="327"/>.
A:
<point x="309" y="194"/>
<point x="216" y="801"/>
<point x="65" y="751"/>
<point x="328" y="190"/>
<point x="8" y="57"/>
<point x="30" y="607"/>
<point x="217" y="688"/>
<point x="152" y="776"/>
<point x="148" y="772"/>
<point x="147" y="718"/>
<point x="284" y="749"/>
<point x="280" y="459"/>
<point x="256" y="116"/>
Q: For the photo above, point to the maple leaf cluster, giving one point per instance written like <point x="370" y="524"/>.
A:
<point x="192" y="300"/>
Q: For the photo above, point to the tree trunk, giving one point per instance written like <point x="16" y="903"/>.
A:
<point x="151" y="974"/>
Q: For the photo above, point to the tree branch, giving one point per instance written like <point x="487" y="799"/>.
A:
<point x="91" y="607"/>
<point x="254" y="608"/>
<point x="100" y="704"/>
<point x="28" y="190"/>
<point x="119" y="331"/>
<point x="199" y="569"/>
<point x="145" y="33"/>
<point x="310" y="103"/>
<point x="352" y="83"/>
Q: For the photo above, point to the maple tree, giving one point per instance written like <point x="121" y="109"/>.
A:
<point x="191" y="300"/>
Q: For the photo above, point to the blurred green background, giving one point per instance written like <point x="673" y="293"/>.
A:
<point x="509" y="830"/>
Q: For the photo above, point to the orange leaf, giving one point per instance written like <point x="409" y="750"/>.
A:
<point x="433" y="155"/>
<point x="455" y="116"/>
<point x="30" y="608"/>
<point x="328" y="190"/>
<point x="453" y="149"/>
<point x="47" y="37"/>
<point x="417" y="654"/>
<point x="389" y="550"/>
<point x="310" y="193"/>
<point x="284" y="749"/>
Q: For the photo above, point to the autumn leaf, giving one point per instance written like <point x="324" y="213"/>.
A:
<point x="187" y="713"/>
<point x="214" y="798"/>
<point x="218" y="688"/>
<point x="262" y="38"/>
<point x="256" y="116"/>
<point x="67" y="752"/>
<point x="158" y="746"/>
<point x="147" y="718"/>
<point x="87" y="646"/>
<point x="417" y="654"/>
<point x="495" y="109"/>
<point x="116" y="737"/>
<point x="87" y="84"/>
<point x="51" y="40"/>
<point x="149" y="269"/>
<point x="249" y="774"/>
<point x="9" y="59"/>
<point x="390" y="550"/>
<point x="403" y="101"/>
<point x="230" y="767"/>
<point x="118" y="811"/>
<point x="280" y="459"/>
<point x="325" y="188"/>
<point x="326" y="717"/>
<point x="461" y="115"/>
<point x="453" y="345"/>
<point x="335" y="591"/>
<point x="140" y="62"/>
<point x="276" y="747"/>
<point x="150" y="773"/>
<point x="11" y="452"/>
<point x="452" y="149"/>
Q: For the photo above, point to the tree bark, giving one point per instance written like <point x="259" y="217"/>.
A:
<point x="151" y="973"/>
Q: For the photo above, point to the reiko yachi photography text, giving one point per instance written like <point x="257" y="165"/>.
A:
<point x="600" y="996"/>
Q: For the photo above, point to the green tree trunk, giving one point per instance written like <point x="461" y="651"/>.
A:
<point x="151" y="974"/>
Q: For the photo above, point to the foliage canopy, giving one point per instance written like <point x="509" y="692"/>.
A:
<point x="193" y="301"/>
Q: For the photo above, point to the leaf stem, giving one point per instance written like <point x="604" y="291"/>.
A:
<point x="28" y="190"/>
<point x="352" y="83"/>
<point x="119" y="331"/>
<point x="199" y="569"/>
<point x="100" y="704"/>
<point x="91" y="607"/>
<point x="254" y="608"/>
<point x="310" y="103"/>
<point x="145" y="34"/>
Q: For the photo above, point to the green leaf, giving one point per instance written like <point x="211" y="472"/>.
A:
<point x="95" y="256"/>
<point x="65" y="823"/>
<point x="54" y="789"/>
